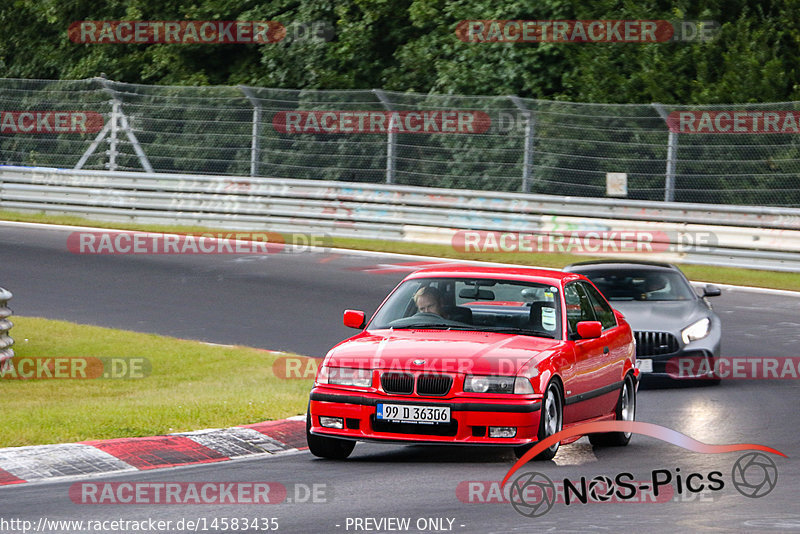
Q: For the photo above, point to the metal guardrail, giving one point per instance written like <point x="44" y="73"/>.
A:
<point x="757" y="237"/>
<point x="6" y="352"/>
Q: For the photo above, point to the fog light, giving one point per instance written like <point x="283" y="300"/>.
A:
<point x="502" y="431"/>
<point x="331" y="422"/>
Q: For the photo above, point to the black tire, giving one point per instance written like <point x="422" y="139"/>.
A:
<point x="550" y="422"/>
<point x="324" y="447"/>
<point x="625" y="411"/>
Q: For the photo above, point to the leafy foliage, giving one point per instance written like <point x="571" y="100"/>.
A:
<point x="411" y="45"/>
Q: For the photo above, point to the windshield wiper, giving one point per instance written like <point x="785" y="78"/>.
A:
<point x="420" y="326"/>
<point x="523" y="331"/>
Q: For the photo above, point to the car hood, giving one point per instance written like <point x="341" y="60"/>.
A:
<point x="454" y="351"/>
<point x="661" y="316"/>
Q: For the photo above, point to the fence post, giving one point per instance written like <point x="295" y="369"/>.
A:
<point x="117" y="114"/>
<point x="135" y="143"/>
<point x="672" y="157"/>
<point x="527" y="156"/>
<point x="112" y="137"/>
<point x="391" y="139"/>
<point x="110" y="129"/>
<point x="255" y="143"/>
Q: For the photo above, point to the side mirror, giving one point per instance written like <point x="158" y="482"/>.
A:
<point x="590" y="329"/>
<point x="710" y="290"/>
<point x="354" y="318"/>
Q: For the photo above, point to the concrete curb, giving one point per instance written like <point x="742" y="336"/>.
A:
<point x="48" y="462"/>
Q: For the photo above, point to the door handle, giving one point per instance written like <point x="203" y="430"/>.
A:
<point x="605" y="350"/>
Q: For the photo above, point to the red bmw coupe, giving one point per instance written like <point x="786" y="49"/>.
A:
<point x="476" y="356"/>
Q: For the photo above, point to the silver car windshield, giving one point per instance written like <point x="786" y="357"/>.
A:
<point x="641" y="285"/>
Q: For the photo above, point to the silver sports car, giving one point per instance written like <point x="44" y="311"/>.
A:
<point x="677" y="333"/>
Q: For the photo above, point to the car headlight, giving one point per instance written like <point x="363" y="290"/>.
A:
<point x="498" y="384"/>
<point x="698" y="330"/>
<point x="345" y="376"/>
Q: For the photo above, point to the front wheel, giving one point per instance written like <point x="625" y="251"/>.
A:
<point x="550" y="422"/>
<point x="324" y="447"/>
<point x="625" y="411"/>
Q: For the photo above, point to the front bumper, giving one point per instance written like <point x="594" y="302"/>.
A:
<point x="470" y="418"/>
<point x="691" y="361"/>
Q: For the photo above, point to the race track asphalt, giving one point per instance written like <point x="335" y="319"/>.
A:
<point x="294" y="302"/>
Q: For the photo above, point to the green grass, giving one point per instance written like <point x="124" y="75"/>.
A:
<point x="722" y="275"/>
<point x="191" y="386"/>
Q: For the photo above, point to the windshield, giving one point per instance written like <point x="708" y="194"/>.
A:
<point x="489" y="305"/>
<point x="651" y="285"/>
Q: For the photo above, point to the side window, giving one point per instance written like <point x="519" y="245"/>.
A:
<point x="602" y="310"/>
<point x="579" y="307"/>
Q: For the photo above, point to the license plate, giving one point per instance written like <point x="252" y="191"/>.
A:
<point x="412" y="413"/>
<point x="645" y="366"/>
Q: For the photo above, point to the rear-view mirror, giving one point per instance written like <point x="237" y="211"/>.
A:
<point x="474" y="293"/>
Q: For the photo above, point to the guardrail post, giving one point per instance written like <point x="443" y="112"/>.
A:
<point x="6" y="352"/>
<point x="672" y="157"/>
<point x="527" y="156"/>
<point x="255" y="143"/>
<point x="391" y="139"/>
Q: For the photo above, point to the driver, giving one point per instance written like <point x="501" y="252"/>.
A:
<point x="429" y="300"/>
<point x="654" y="286"/>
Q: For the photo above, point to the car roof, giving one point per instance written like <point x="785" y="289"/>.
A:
<point x="620" y="265"/>
<point x="515" y="273"/>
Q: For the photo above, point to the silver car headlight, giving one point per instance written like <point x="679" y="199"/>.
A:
<point x="696" y="331"/>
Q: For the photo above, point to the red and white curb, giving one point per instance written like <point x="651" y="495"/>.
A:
<point x="45" y="462"/>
